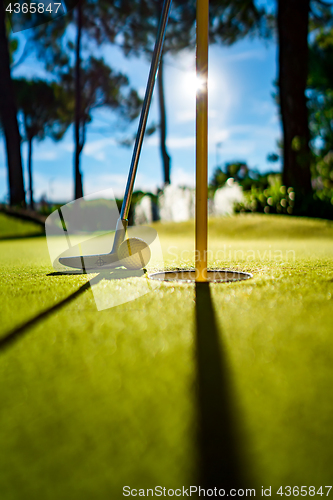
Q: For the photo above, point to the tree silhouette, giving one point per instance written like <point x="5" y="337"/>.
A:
<point x="293" y="30"/>
<point x="133" y="26"/>
<point x="94" y="22"/>
<point x="320" y="84"/>
<point x="44" y="114"/>
<point x="295" y="18"/>
<point x="9" y="120"/>
<point x="229" y="21"/>
<point x="100" y="86"/>
<point x="236" y="170"/>
<point x="138" y="37"/>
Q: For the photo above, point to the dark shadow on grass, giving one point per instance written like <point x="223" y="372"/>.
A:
<point x="18" y="332"/>
<point x="220" y="462"/>
<point x="22" y="236"/>
<point x="114" y="274"/>
<point x="71" y="273"/>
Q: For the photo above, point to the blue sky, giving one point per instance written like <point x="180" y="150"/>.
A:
<point x="243" y="123"/>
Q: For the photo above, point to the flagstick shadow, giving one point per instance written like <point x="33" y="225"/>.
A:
<point x="220" y="463"/>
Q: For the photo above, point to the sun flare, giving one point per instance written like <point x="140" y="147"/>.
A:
<point x="195" y="84"/>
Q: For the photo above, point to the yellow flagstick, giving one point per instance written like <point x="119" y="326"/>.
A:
<point x="201" y="208"/>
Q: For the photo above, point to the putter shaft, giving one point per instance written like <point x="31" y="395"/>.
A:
<point x="98" y="261"/>
<point x="145" y="109"/>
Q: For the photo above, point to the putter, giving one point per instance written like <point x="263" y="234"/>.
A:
<point x="111" y="259"/>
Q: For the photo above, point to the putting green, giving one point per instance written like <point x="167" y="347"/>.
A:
<point x="93" y="401"/>
<point x="12" y="227"/>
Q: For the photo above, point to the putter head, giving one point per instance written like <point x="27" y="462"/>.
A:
<point x="91" y="262"/>
<point x="95" y="261"/>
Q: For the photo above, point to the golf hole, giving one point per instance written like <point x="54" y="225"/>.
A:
<point x="189" y="275"/>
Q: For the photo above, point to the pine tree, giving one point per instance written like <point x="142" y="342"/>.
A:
<point x="43" y="108"/>
<point x="9" y="120"/>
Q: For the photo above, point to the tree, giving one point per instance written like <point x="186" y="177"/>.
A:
<point x="100" y="86"/>
<point x="293" y="78"/>
<point x="133" y="26"/>
<point x="78" y="113"/>
<point x="137" y="36"/>
<point x="293" y="20"/>
<point x="236" y="170"/>
<point x="43" y="108"/>
<point x="97" y="22"/>
<point x="9" y="120"/>
<point x="232" y="20"/>
<point x="229" y="21"/>
<point x="320" y="85"/>
<point x="166" y="160"/>
<point x="293" y="31"/>
<point x="320" y="104"/>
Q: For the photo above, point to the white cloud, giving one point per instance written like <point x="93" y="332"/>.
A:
<point x="187" y="142"/>
<point x="263" y="107"/>
<point x="180" y="177"/>
<point x="93" y="146"/>
<point x="54" y="188"/>
<point x="186" y="115"/>
<point x="237" y="149"/>
<point x="46" y="150"/>
<point x="253" y="131"/>
<point x="216" y="135"/>
<point x="117" y="182"/>
<point x="141" y="91"/>
<point x="93" y="149"/>
<point x="68" y="146"/>
<point x="145" y="183"/>
<point x="49" y="155"/>
<point x="181" y="142"/>
<point x="259" y="54"/>
<point x="94" y="184"/>
<point x="212" y="113"/>
<point x="274" y="120"/>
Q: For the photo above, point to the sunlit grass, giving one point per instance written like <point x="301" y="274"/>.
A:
<point x="93" y="401"/>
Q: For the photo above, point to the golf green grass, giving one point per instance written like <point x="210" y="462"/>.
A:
<point x="93" y="401"/>
<point x="13" y="227"/>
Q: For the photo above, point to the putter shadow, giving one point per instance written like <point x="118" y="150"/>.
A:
<point x="220" y="463"/>
<point x="22" y="236"/>
<point x="114" y="274"/>
<point x="18" y="332"/>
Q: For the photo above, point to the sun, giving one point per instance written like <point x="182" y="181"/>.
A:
<point x="194" y="84"/>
